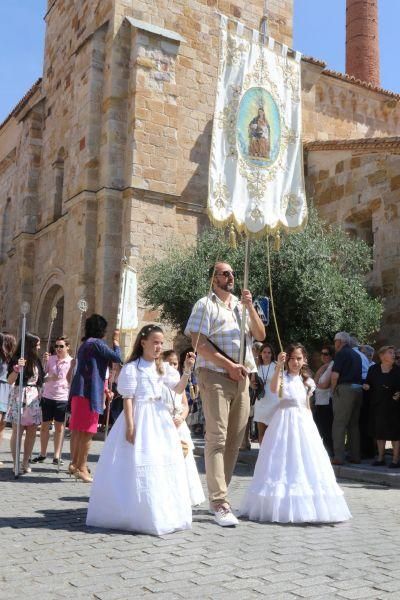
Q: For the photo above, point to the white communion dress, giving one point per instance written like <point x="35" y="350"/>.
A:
<point x="142" y="487"/>
<point x="175" y="406"/>
<point x="293" y="480"/>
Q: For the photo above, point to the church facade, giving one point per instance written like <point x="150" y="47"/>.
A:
<point x="107" y="154"/>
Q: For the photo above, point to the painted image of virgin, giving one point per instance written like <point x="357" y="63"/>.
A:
<point x="259" y="136"/>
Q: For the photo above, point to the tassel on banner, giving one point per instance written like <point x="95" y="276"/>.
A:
<point x="232" y="237"/>
<point x="277" y="244"/>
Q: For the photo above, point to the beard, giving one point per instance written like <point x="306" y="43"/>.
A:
<point x="227" y="287"/>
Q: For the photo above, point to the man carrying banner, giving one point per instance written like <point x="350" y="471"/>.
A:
<point x="214" y="326"/>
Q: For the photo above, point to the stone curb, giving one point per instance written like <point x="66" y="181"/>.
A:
<point x="354" y="473"/>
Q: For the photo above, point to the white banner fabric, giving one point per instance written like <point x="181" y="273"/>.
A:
<point x="256" y="177"/>
<point x="127" y="310"/>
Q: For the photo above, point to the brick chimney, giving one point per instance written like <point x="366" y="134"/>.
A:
<point x="362" y="40"/>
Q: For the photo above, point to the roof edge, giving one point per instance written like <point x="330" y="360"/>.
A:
<point x="22" y="102"/>
<point x="382" y="143"/>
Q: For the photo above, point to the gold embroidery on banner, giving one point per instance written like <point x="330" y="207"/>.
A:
<point x="290" y="76"/>
<point x="227" y="119"/>
<point x="292" y="204"/>
<point x="235" y="49"/>
<point x="221" y="195"/>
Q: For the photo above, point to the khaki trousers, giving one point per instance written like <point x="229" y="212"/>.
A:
<point x="347" y="401"/>
<point x="226" y="406"/>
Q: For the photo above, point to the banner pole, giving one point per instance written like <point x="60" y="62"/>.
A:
<point x="245" y="286"/>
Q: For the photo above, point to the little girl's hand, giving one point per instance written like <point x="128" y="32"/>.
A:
<point x="130" y="435"/>
<point x="281" y="359"/>
<point x="190" y="360"/>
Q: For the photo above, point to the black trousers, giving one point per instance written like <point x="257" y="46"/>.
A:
<point x="367" y="443"/>
<point x="323" y="416"/>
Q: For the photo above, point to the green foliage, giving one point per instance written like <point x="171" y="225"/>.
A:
<point x="317" y="281"/>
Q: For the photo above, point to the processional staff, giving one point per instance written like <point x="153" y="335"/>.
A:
<point x="24" y="311"/>
<point x="53" y="316"/>
<point x="82" y="306"/>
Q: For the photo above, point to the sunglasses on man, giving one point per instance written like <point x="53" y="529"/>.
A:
<point x="226" y="273"/>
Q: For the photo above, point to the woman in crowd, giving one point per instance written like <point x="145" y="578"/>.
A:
<point x="179" y="408"/>
<point x="140" y="482"/>
<point x="265" y="405"/>
<point x="87" y="391"/>
<point x="54" y="398"/>
<point x="383" y="386"/>
<point x="323" y="398"/>
<point x="293" y="479"/>
<point x="31" y="415"/>
<point x="7" y="347"/>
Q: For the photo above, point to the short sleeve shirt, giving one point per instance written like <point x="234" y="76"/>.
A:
<point x="221" y="324"/>
<point x="58" y="388"/>
<point x="348" y="364"/>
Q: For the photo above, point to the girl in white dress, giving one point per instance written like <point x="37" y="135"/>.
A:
<point x="266" y="405"/>
<point x="140" y="481"/>
<point x="293" y="480"/>
<point x="179" y="408"/>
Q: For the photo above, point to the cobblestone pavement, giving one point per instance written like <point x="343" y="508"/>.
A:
<point x="48" y="553"/>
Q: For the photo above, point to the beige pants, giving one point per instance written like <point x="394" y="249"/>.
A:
<point x="346" y="415"/>
<point x="226" y="406"/>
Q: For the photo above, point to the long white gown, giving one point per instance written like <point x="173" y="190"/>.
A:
<point x="293" y="480"/>
<point x="175" y="405"/>
<point x="142" y="487"/>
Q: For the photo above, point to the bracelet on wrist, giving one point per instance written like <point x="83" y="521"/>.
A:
<point x="187" y="373"/>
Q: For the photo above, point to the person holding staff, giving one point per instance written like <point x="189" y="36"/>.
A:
<point x="31" y="415"/>
<point x="214" y="327"/>
<point x="293" y="479"/>
<point x="140" y="482"/>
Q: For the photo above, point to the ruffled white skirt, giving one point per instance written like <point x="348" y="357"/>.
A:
<point x="195" y="488"/>
<point x="293" y="479"/>
<point x="142" y="487"/>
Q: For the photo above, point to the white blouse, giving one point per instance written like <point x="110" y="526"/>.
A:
<point x="140" y="379"/>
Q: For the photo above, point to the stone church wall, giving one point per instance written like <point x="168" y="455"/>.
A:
<point x="361" y="191"/>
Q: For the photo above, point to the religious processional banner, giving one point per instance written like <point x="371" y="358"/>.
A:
<point x="256" y="175"/>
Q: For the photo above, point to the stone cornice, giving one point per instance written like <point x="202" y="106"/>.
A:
<point x="24" y="100"/>
<point x="386" y="144"/>
<point x="359" y="83"/>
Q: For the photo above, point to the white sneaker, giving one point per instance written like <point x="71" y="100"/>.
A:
<point x="224" y="517"/>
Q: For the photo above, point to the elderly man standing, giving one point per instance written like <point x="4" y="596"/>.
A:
<point x="346" y="382"/>
<point x="223" y="382"/>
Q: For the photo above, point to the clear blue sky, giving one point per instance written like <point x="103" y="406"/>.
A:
<point x="319" y="31"/>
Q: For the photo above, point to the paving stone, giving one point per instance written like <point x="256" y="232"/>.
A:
<point x="49" y="548"/>
<point x="354" y="594"/>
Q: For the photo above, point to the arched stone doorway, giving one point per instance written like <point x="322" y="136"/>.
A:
<point x="53" y="297"/>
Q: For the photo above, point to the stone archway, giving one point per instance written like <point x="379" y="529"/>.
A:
<point x="54" y="297"/>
